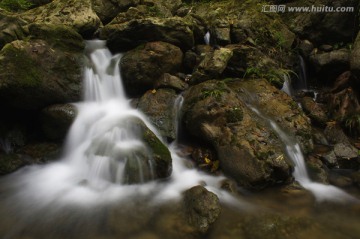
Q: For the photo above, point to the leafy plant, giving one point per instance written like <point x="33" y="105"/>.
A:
<point x="216" y="93"/>
<point x="352" y="124"/>
<point x="15" y="5"/>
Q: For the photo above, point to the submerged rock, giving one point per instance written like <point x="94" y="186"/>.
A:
<point x="144" y="65"/>
<point x="203" y="208"/>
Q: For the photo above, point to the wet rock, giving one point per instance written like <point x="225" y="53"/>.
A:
<point x="317" y="171"/>
<point x="77" y="14"/>
<point x="172" y="82"/>
<point x="314" y="110"/>
<point x="40" y="72"/>
<point x="328" y="65"/>
<point x="144" y="65"/>
<point x="330" y="159"/>
<point x="203" y="208"/>
<point x="306" y="47"/>
<point x="205" y="159"/>
<point x="28" y="155"/>
<point x="159" y="153"/>
<point x="248" y="151"/>
<point x="212" y="65"/>
<point x="57" y="120"/>
<point x="126" y="35"/>
<point x="158" y="106"/>
<point x="278" y="106"/>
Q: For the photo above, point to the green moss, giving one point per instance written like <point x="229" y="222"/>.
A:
<point x="15" y="5"/>
<point x="234" y="115"/>
<point x="21" y="66"/>
<point x="58" y="36"/>
<point x="9" y="163"/>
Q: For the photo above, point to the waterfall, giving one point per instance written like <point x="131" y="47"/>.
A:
<point x="302" y="81"/>
<point x="177" y="115"/>
<point x="287" y="87"/>
<point x="321" y="192"/>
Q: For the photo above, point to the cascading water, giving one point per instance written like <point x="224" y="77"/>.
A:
<point x="322" y="192"/>
<point x="102" y="143"/>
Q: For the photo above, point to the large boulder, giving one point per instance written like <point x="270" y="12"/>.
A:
<point x="123" y="35"/>
<point x="77" y="14"/>
<point x="158" y="105"/>
<point x="248" y="150"/>
<point x="144" y="65"/>
<point x="37" y="72"/>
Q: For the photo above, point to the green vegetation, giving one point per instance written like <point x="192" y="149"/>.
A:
<point x="15" y="5"/>
<point x="233" y="115"/>
<point x="352" y="124"/>
<point x="275" y="76"/>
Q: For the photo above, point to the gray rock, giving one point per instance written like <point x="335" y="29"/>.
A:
<point x="306" y="47"/>
<point x="346" y="151"/>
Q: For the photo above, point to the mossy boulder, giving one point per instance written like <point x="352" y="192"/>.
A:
<point x="248" y="150"/>
<point x="159" y="153"/>
<point x="36" y="74"/>
<point x="158" y="105"/>
<point x="355" y="57"/>
<point x="77" y="14"/>
<point x="144" y="65"/>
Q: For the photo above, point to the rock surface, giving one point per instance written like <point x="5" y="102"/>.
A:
<point x="144" y="65"/>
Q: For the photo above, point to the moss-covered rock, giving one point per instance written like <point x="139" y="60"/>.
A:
<point x="77" y="14"/>
<point x="36" y="74"/>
